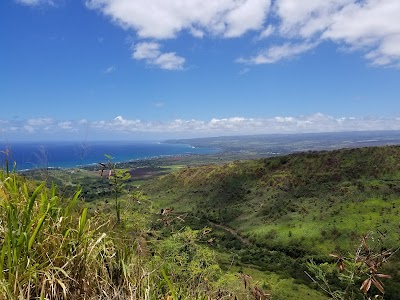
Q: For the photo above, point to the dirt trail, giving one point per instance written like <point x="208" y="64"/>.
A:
<point x="233" y="232"/>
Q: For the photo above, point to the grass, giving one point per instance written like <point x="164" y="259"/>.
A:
<point x="282" y="288"/>
<point x="324" y="234"/>
<point x="52" y="248"/>
<point x="291" y="208"/>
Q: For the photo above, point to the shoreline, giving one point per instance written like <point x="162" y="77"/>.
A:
<point x="57" y="156"/>
<point x="119" y="164"/>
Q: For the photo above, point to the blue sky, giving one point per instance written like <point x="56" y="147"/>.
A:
<point x="155" y="69"/>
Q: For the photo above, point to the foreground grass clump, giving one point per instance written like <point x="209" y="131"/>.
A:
<point x="50" y="248"/>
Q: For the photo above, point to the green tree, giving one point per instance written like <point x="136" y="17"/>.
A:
<point x="118" y="178"/>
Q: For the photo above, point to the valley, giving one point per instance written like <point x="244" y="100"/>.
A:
<point x="267" y="217"/>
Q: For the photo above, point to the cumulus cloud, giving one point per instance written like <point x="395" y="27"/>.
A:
<point x="368" y="26"/>
<point x="162" y="19"/>
<point x="306" y="18"/>
<point x="289" y="27"/>
<point x="166" y="19"/>
<point x="245" y="16"/>
<point x="151" y="53"/>
<point x="39" y="126"/>
<point x="129" y="128"/>
<point x="66" y="125"/>
<point x="38" y="122"/>
<point x="371" y="26"/>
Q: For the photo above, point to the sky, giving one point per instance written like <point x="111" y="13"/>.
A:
<point x="160" y="69"/>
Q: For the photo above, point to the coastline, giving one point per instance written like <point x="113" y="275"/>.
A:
<point x="67" y="155"/>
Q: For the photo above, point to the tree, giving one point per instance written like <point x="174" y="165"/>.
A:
<point x="117" y="178"/>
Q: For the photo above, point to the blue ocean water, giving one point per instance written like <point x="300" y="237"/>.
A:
<point x="34" y="155"/>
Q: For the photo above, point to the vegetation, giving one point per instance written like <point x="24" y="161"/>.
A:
<point x="117" y="180"/>
<point x="293" y="208"/>
<point x="273" y="228"/>
<point x="363" y="267"/>
<point x="52" y="249"/>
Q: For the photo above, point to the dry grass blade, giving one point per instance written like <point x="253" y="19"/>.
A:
<point x="366" y="285"/>
<point x="378" y="285"/>
<point x="340" y="262"/>
<point x="383" y="276"/>
<point x="364" y="243"/>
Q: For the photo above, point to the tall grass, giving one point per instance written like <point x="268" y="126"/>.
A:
<point x="51" y="248"/>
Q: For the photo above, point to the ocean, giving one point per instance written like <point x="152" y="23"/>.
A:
<point x="35" y="155"/>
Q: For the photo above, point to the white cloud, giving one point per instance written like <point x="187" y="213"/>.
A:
<point x="369" y="26"/>
<point x="308" y="17"/>
<point x="293" y="27"/>
<point x="29" y="129"/>
<point x="119" y="123"/>
<point x="151" y="53"/>
<point x="239" y="125"/>
<point x="247" y="15"/>
<point x="129" y="128"/>
<point x="278" y="53"/>
<point x="146" y="51"/>
<point x="169" y="61"/>
<point x="198" y="33"/>
<point x="267" y="32"/>
<point x="162" y="19"/>
<point x="165" y="19"/>
<point x="39" y="122"/>
<point x="67" y="125"/>
<point x="35" y="2"/>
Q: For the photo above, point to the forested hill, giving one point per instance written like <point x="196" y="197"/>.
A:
<point x="297" y="170"/>
<point x="300" y="205"/>
<point x="282" y="185"/>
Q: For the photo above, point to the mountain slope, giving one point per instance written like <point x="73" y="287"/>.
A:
<point x="292" y="207"/>
<point x="323" y="188"/>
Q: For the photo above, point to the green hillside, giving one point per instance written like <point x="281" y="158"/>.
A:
<point x="254" y="229"/>
<point x="52" y="247"/>
<point x="276" y="213"/>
